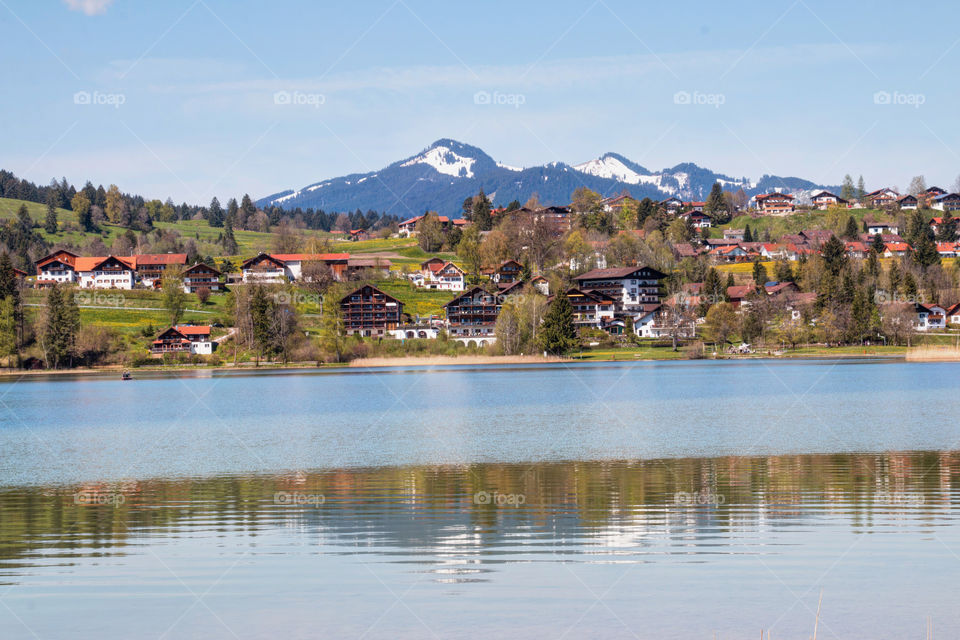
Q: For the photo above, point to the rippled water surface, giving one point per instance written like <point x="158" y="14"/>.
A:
<point x="674" y="500"/>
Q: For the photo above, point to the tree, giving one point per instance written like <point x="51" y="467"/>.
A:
<point x="203" y="294"/>
<point x="50" y="222"/>
<point x="333" y="335"/>
<point x="760" y="276"/>
<point x="480" y="213"/>
<point x="229" y="243"/>
<point x="24" y="221"/>
<point x="846" y="189"/>
<point x="947" y="229"/>
<point x="114" y="206"/>
<point x="215" y="213"/>
<point x="747" y="234"/>
<point x="925" y="251"/>
<point x="716" y="205"/>
<point x="721" y="322"/>
<point x="247" y="211"/>
<point x="877" y="245"/>
<point x="260" y="320"/>
<point x="468" y="250"/>
<point x="174" y="298"/>
<point x="861" y="189"/>
<point x="59" y="332"/>
<point x="586" y="204"/>
<point x="852" y="230"/>
<point x="430" y="233"/>
<point x="8" y="328"/>
<point x="10" y="290"/>
<point x="917" y="186"/>
<point x="81" y="206"/>
<point x="558" y="334"/>
<point x="834" y="254"/>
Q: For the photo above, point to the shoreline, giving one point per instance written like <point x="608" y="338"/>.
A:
<point x="426" y="361"/>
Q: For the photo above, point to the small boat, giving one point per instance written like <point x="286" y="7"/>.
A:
<point x="126" y="376"/>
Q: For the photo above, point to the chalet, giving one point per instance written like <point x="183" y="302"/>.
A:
<point x="506" y="273"/>
<point x="369" y="312"/>
<point x="57" y="268"/>
<point x="775" y="203"/>
<point x="937" y="221"/>
<point x="684" y="250"/>
<point x="541" y="285"/>
<point x="616" y="203"/>
<point x="671" y="205"/>
<point x="697" y="219"/>
<point x="856" y="249"/>
<point x="264" y="269"/>
<point x="556" y="220"/>
<point x="948" y="249"/>
<point x="408" y="228"/>
<point x="781" y="289"/>
<point x="896" y="249"/>
<point x="953" y="314"/>
<point x="908" y="202"/>
<point x="591" y="310"/>
<point x="472" y="316"/>
<point x="151" y="267"/>
<point x="946" y="202"/>
<point x="930" y="317"/>
<point x="440" y="275"/>
<point x="881" y="198"/>
<point x="183" y="339"/>
<point x="824" y="200"/>
<point x="283" y="267"/>
<point x="377" y="266"/>
<point x="357" y="235"/>
<point x="201" y="276"/>
<point x="108" y="272"/>
<point x="928" y="195"/>
<point x="773" y="251"/>
<point x="737" y="235"/>
<point x="874" y="227"/>
<point x="694" y="206"/>
<point x="738" y="294"/>
<point x="634" y="290"/>
<point x="728" y="253"/>
<point x="294" y="263"/>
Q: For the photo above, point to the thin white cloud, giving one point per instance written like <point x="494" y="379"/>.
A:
<point x="89" y="7"/>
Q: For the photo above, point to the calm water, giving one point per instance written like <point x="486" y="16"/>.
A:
<point x="676" y="500"/>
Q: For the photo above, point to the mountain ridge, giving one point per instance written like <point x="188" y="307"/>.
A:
<point x="442" y="175"/>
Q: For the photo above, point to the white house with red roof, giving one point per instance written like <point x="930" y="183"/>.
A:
<point x="183" y="339"/>
<point x="775" y="203"/>
<point x="408" y="228"/>
<point x="274" y="268"/>
<point x="440" y="274"/>
<point x="57" y="268"/>
<point x="109" y="272"/>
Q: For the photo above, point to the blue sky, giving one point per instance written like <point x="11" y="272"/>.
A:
<point x="183" y="94"/>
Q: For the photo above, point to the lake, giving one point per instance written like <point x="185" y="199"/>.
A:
<point x="634" y="500"/>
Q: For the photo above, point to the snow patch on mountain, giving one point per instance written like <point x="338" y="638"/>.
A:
<point x="445" y="161"/>
<point x="508" y="167"/>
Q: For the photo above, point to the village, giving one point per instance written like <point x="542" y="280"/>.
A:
<point x="620" y="287"/>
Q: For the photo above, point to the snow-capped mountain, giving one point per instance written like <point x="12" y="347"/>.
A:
<point x="441" y="176"/>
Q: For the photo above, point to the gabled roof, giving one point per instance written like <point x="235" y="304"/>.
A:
<point x="828" y="195"/>
<point x="470" y="293"/>
<point x="198" y="267"/>
<point x="91" y="263"/>
<point x="898" y="246"/>
<point x="773" y="194"/>
<point x="882" y="191"/>
<point x="193" y="330"/>
<point x="145" y="259"/>
<point x="616" y="273"/>
<point x="261" y="257"/>
<point x="740" y="291"/>
<point x="62" y="255"/>
<point x="373" y="289"/>
<point x="311" y="257"/>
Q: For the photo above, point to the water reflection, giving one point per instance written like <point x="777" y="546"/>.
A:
<point x="495" y="511"/>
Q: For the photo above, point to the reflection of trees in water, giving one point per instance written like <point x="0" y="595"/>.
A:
<point x="604" y="503"/>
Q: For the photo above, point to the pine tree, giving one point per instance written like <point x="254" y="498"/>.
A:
<point x="481" y="212"/>
<point x="852" y="230"/>
<point x="747" y="234"/>
<point x="50" y="222"/>
<point x="925" y="251"/>
<point x="861" y="189"/>
<point x="716" y="205"/>
<point x="260" y="313"/>
<point x="834" y="254"/>
<point x="760" y="276"/>
<point x="81" y="206"/>
<point x="61" y="327"/>
<point x="24" y="221"/>
<point x="877" y="245"/>
<point x="558" y="335"/>
<point x="233" y="210"/>
<point x="846" y="190"/>
<point x="215" y="213"/>
<point x="230" y="247"/>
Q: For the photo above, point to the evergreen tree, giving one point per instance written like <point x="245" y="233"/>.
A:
<point x="333" y="335"/>
<point x="50" y="222"/>
<point x="716" y="205"/>
<point x="24" y="221"/>
<point x="481" y="212"/>
<point x="747" y="234"/>
<point x="81" y="206"/>
<point x="558" y="335"/>
<point x="230" y="247"/>
<point x="233" y="210"/>
<point x="834" y="254"/>
<point x="878" y="246"/>
<point x="846" y="190"/>
<point x="247" y="211"/>
<point x="8" y="328"/>
<point x="215" y="213"/>
<point x="760" y="276"/>
<point x="947" y="229"/>
<point x="260" y="320"/>
<point x="852" y="230"/>
<point x="61" y="327"/>
<point x="10" y="295"/>
<point x="645" y="209"/>
<point x="861" y="189"/>
<point x="925" y="250"/>
<point x="783" y="271"/>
